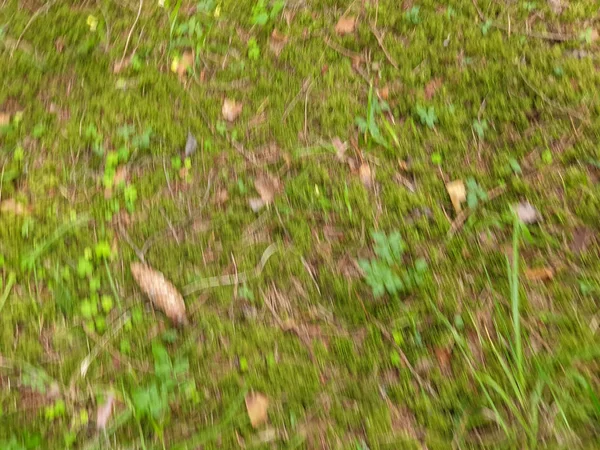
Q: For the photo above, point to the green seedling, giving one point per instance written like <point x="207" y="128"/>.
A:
<point x="480" y="127"/>
<point x="475" y="193"/>
<point x="388" y="272"/>
<point x="412" y="15"/>
<point x="368" y="125"/>
<point x="261" y="13"/>
<point x="427" y="116"/>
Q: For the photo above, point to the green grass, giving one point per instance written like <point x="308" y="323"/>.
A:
<point x="497" y="359"/>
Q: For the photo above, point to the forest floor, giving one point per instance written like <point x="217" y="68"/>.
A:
<point x="383" y="217"/>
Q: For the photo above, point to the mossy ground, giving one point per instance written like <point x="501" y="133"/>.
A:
<point x="307" y="331"/>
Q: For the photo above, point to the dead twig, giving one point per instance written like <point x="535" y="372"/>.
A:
<point x="35" y="15"/>
<point x="228" y="280"/>
<point x="139" y="12"/>
<point x="554" y="37"/>
<point x="385" y="52"/>
<point x="563" y="109"/>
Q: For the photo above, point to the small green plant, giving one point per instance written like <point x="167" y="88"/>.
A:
<point x="587" y="36"/>
<point x="475" y="193"/>
<point x="261" y="14"/>
<point x="485" y="28"/>
<point x="388" y="271"/>
<point x="480" y="127"/>
<point x="412" y="15"/>
<point x="150" y="403"/>
<point x="130" y="196"/>
<point x="253" y="49"/>
<point x="368" y="125"/>
<point x="427" y="116"/>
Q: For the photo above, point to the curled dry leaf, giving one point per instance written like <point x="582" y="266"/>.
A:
<point x="160" y="292"/>
<point x="11" y="206"/>
<point x="4" y="119"/>
<point x="432" y="87"/>
<point x="539" y="274"/>
<point x="267" y="187"/>
<point x="257" y="405"/>
<point x="458" y="193"/>
<point x="366" y="176"/>
<point x="121" y="64"/>
<point x="277" y="42"/>
<point x="345" y="25"/>
<point x="340" y="148"/>
<point x="185" y="63"/>
<point x="104" y="412"/>
<point x="231" y="110"/>
<point x="256" y="204"/>
<point x="191" y="144"/>
<point x="527" y="213"/>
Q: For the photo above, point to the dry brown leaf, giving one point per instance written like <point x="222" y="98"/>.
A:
<point x="231" y="110"/>
<point x="257" y="405"/>
<point x="443" y="356"/>
<point x="539" y="274"/>
<point x="11" y="206"/>
<point x="345" y="25"/>
<point x="256" y="204"/>
<point x="595" y="35"/>
<point x="267" y="187"/>
<point x="277" y="42"/>
<point x="365" y="175"/>
<point x="185" y="63"/>
<point x="458" y="193"/>
<point x="104" y="412"/>
<point x="340" y="148"/>
<point x="527" y="213"/>
<point x="4" y="119"/>
<point x="122" y="64"/>
<point x="384" y="92"/>
<point x="582" y="238"/>
<point x="120" y="175"/>
<point x="432" y="87"/>
<point x="160" y="292"/>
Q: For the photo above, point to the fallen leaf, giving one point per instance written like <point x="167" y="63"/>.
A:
<point x="185" y="63"/>
<point x="257" y="405"/>
<point x="582" y="237"/>
<point x="277" y="42"/>
<point x="340" y="148"/>
<point x="345" y="25"/>
<point x="191" y="145"/>
<point x="527" y="213"/>
<point x="432" y="87"/>
<point x="384" y="93"/>
<point x="4" y="119"/>
<point x="11" y="206"/>
<point x="231" y="110"/>
<point x="594" y="35"/>
<point x="121" y="64"/>
<point x="443" y="355"/>
<point x="365" y="175"/>
<point x="267" y="187"/>
<point x="104" y="412"/>
<point x="256" y="204"/>
<point x="556" y="6"/>
<point x="160" y="292"/>
<point x="539" y="274"/>
<point x="458" y="193"/>
<point x="222" y="196"/>
<point x="59" y="44"/>
<point x="120" y="175"/>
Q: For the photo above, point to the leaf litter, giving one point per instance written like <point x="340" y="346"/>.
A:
<point x="257" y="406"/>
<point x="160" y="292"/>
